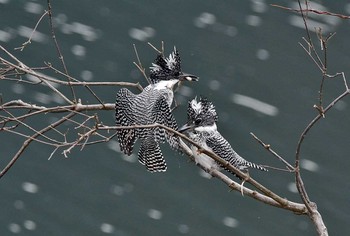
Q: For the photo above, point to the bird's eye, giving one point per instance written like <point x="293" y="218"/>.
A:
<point x="197" y="121"/>
<point x="177" y="73"/>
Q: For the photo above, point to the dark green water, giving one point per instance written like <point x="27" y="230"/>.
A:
<point x="240" y="50"/>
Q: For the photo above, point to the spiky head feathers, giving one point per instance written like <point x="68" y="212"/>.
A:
<point x="202" y="112"/>
<point x="166" y="68"/>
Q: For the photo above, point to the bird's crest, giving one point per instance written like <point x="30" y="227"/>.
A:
<point x="165" y="68"/>
<point x="201" y="108"/>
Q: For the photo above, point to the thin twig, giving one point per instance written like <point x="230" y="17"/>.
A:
<point x="75" y="143"/>
<point x="53" y="152"/>
<point x="61" y="109"/>
<point x="309" y="40"/>
<point x="139" y="65"/>
<point x="345" y="17"/>
<point x="158" y="51"/>
<point x="70" y="83"/>
<point x="313" y="213"/>
<point x="20" y="121"/>
<point x="32" y="34"/>
<point x="268" y="148"/>
<point x="27" y="142"/>
<point x="60" y="56"/>
<point x="26" y="69"/>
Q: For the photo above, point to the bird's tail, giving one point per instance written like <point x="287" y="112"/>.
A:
<point x="243" y="164"/>
<point x="151" y="156"/>
<point x="256" y="166"/>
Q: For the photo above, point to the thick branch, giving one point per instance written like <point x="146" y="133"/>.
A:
<point x="291" y="206"/>
<point x="301" y="188"/>
<point x="281" y="201"/>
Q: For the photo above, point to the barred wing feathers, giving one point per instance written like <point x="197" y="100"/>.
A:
<point x="162" y="114"/>
<point x="223" y="149"/>
<point x="126" y="137"/>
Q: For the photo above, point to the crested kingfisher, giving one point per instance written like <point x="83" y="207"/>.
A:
<point x="152" y="105"/>
<point x="201" y="128"/>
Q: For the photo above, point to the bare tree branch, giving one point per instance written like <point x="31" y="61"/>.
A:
<point x="30" y="139"/>
<point x="225" y="164"/>
<point x="60" y="56"/>
<point x="78" y="125"/>
<point x="31" y="35"/>
<point x="139" y="65"/>
<point x="268" y="148"/>
<point x="345" y="17"/>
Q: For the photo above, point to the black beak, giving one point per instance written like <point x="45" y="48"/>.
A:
<point x="185" y="127"/>
<point x="188" y="77"/>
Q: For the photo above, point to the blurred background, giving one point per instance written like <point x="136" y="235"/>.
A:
<point x="250" y="65"/>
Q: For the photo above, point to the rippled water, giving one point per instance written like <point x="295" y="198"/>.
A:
<point x="250" y="64"/>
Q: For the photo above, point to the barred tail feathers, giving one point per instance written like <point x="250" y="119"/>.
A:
<point x="151" y="156"/>
<point x="256" y="166"/>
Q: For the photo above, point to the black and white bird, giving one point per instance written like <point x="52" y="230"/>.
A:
<point x="152" y="105"/>
<point x="201" y="128"/>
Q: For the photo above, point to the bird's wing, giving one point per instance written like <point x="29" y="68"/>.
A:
<point x="223" y="149"/>
<point x="124" y="117"/>
<point x="162" y="115"/>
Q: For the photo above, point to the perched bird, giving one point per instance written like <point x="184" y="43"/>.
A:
<point x="201" y="128"/>
<point x="152" y="105"/>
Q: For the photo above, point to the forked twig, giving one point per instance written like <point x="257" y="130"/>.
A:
<point x="139" y="65"/>
<point x="268" y="148"/>
<point x="22" y="67"/>
<point x="21" y="48"/>
<point x="158" y="51"/>
<point x="30" y="139"/>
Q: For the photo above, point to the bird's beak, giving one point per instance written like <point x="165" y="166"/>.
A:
<point x="188" y="77"/>
<point x="185" y="127"/>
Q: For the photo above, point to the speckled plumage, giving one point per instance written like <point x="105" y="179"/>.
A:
<point x="201" y="128"/>
<point x="151" y="106"/>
